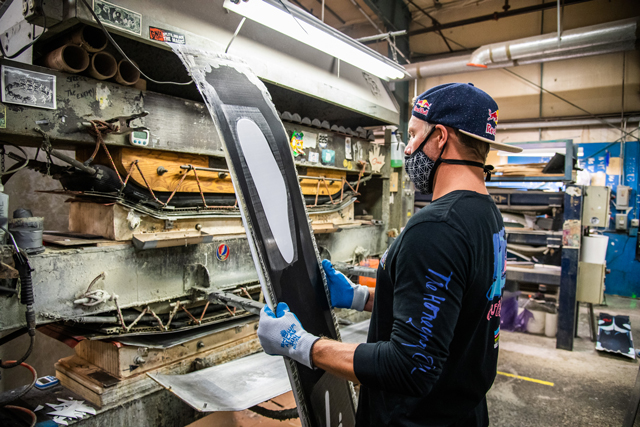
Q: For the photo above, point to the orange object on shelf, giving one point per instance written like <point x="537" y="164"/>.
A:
<point x="368" y="281"/>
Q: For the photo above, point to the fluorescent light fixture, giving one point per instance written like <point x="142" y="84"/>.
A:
<point x="311" y="31"/>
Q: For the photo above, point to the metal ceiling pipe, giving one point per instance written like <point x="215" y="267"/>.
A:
<point x="439" y="67"/>
<point x="594" y="40"/>
<point x="103" y="66"/>
<point x="492" y="17"/>
<point x="127" y="74"/>
<point x="68" y="58"/>
<point x="609" y="37"/>
<point x="89" y="38"/>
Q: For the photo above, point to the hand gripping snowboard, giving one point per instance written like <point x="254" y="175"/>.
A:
<point x="275" y="218"/>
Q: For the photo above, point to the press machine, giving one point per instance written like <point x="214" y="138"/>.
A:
<point x="154" y="242"/>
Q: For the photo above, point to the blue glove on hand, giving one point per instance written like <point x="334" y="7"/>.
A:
<point x="282" y="334"/>
<point x="344" y="293"/>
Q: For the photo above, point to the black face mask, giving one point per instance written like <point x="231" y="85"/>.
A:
<point x="422" y="170"/>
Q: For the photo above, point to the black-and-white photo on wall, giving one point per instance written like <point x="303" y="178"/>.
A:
<point x="29" y="88"/>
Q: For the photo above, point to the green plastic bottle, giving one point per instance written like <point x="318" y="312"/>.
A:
<point x="397" y="152"/>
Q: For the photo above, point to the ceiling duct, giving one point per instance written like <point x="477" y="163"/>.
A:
<point x="593" y="40"/>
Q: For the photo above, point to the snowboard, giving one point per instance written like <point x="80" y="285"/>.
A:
<point x="274" y="214"/>
<point x="614" y="335"/>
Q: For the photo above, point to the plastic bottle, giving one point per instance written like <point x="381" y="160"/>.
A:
<point x="397" y="152"/>
<point x="4" y="213"/>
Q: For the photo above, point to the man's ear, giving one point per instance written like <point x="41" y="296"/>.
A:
<point x="442" y="137"/>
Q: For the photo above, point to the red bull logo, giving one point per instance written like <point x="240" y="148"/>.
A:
<point x="422" y="106"/>
<point x="222" y="253"/>
<point x="490" y="129"/>
<point x="493" y="115"/>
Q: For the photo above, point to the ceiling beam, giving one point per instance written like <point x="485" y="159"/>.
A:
<point x="434" y="22"/>
<point x="493" y="17"/>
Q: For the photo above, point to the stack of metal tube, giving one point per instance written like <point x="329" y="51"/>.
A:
<point x="84" y="49"/>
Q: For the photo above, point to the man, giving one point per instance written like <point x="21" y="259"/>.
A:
<point x="432" y="348"/>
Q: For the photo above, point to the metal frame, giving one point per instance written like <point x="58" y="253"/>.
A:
<point x="568" y="306"/>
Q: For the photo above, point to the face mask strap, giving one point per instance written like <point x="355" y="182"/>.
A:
<point x="487" y="169"/>
<point x="431" y="182"/>
<point x="424" y="141"/>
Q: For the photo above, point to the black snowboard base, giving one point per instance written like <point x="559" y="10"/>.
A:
<point x="274" y="214"/>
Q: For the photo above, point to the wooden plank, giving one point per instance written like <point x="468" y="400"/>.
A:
<point x="79" y="375"/>
<point x="524" y="169"/>
<point x="93" y="218"/>
<point x="79" y="388"/>
<point x="310" y="186"/>
<point x="73" y="241"/>
<point x="150" y="160"/>
<point x="119" y="360"/>
<point x="111" y="222"/>
<point x="324" y="228"/>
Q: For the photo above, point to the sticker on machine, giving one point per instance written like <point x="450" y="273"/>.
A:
<point x="158" y="34"/>
<point x="118" y="17"/>
<point x="26" y="87"/>
<point x="222" y="253"/>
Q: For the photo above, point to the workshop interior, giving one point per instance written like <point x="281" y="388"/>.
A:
<point x="130" y="283"/>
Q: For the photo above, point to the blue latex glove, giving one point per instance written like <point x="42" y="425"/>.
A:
<point x="344" y="293"/>
<point x="282" y="334"/>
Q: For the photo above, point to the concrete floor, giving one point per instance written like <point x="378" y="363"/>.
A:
<point x="590" y="388"/>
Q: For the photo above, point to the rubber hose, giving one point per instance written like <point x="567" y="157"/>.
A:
<point x="26" y="284"/>
<point x="26" y="388"/>
<point x="281" y="415"/>
<point x="13" y="364"/>
<point x="32" y="415"/>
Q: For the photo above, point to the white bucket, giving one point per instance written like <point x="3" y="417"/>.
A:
<point x="536" y="323"/>
<point x="550" y="324"/>
<point x="594" y="249"/>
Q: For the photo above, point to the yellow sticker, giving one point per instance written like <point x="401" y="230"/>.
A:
<point x="349" y="165"/>
<point x="344" y="163"/>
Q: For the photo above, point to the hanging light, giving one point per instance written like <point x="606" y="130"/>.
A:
<point x="309" y="30"/>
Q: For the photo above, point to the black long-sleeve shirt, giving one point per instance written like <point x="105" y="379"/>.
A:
<point x="432" y="347"/>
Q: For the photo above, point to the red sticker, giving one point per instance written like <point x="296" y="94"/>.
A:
<point x="161" y="35"/>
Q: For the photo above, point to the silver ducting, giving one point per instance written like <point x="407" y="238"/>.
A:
<point x="587" y="41"/>
<point x="439" y="67"/>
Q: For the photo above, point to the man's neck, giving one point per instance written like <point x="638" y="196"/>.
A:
<point x="458" y="177"/>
